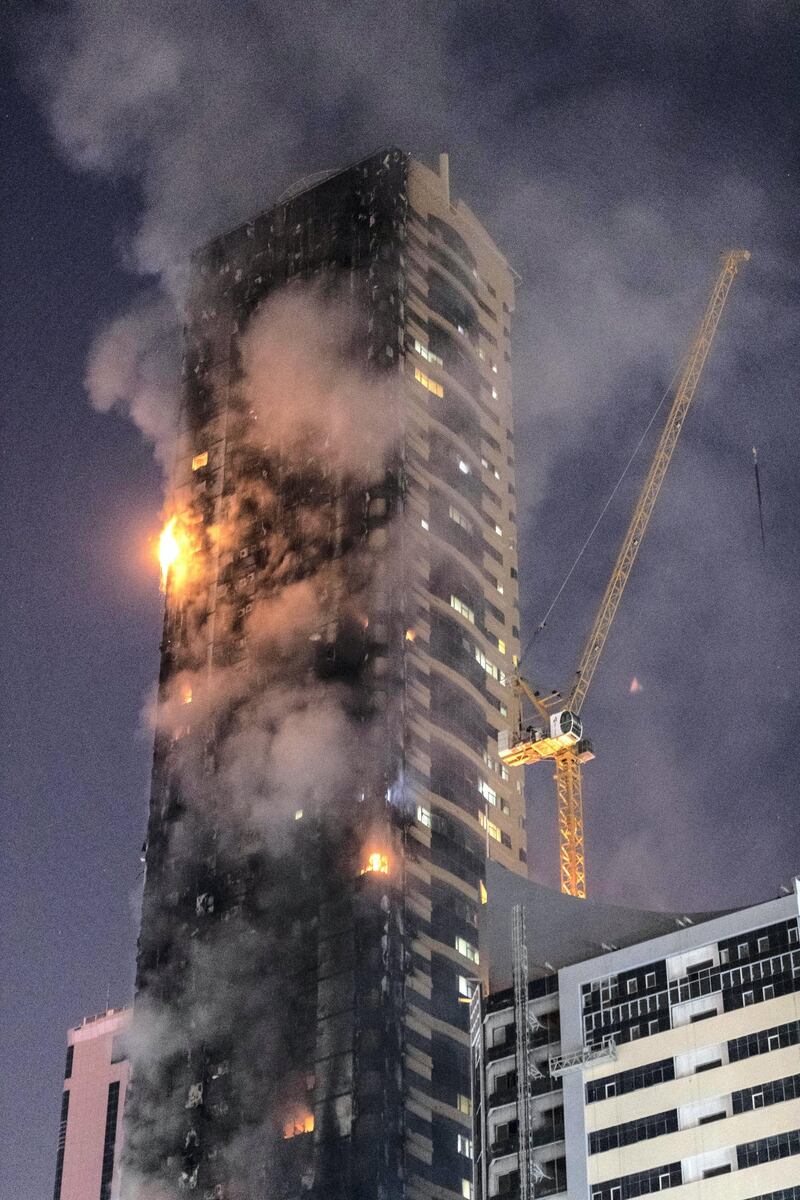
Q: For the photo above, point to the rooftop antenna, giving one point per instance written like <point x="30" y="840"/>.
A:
<point x="758" y="494"/>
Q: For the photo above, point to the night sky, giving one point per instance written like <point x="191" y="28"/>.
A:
<point x="614" y="156"/>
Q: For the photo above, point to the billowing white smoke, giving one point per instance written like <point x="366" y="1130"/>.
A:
<point x="133" y="368"/>
<point x="303" y="388"/>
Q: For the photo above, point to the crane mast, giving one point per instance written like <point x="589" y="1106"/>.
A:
<point x="566" y="745"/>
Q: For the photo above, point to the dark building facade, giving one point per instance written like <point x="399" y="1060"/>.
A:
<point x="337" y="639"/>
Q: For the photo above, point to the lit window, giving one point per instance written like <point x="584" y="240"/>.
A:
<point x="494" y="393"/>
<point x="424" y="816"/>
<point x="464" y="1105"/>
<point x="464" y="1145"/>
<point x="466" y="1189"/>
<point x="424" y="524"/>
<point x="298" y="816"/>
<point x="467" y="949"/>
<point x="460" y="519"/>
<point x="488" y="793"/>
<point x="503" y="710"/>
<point x="500" y="589"/>
<point x="481" y="353"/>
<point x="200" y="460"/>
<point x="489" y="667"/>
<point x="465" y="987"/>
<point x="501" y="646"/>
<point x="498" y="530"/>
<point x="463" y="467"/>
<point x="482" y="892"/>
<point x="494" y="367"/>
<point x="427" y="354"/>
<point x="489" y="826"/>
<point x="463" y="609"/>
<point x="430" y="384"/>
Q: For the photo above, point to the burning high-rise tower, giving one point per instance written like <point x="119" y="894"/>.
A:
<point x="341" y="618"/>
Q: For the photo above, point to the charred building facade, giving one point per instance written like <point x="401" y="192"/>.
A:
<point x="340" y="622"/>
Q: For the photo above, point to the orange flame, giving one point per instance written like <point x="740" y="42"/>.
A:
<point x="303" y="1123"/>
<point x="377" y="862"/>
<point x="175" y="550"/>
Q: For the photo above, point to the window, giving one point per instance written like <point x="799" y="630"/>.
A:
<point x="200" y="460"/>
<point x="464" y="467"/>
<point x="463" y="609"/>
<point x="424" y="524"/>
<point x="490" y="827"/>
<point x="763" y="945"/>
<point x="501" y="646"/>
<point x="112" y="1105"/>
<point x="62" y="1142"/>
<point x="429" y="384"/>
<point x="743" y="950"/>
<point x="460" y="519"/>
<point x="68" y="1064"/>
<point x="464" y="1145"/>
<point x="427" y="354"/>
<point x="464" y="1105"/>
<point x="498" y="530"/>
<point x="466" y="1189"/>
<point x="768" y="992"/>
<point x="632" y="986"/>
<point x="467" y="949"/>
<point x="650" y="979"/>
<point x="298" y="816"/>
<point x="424" y="816"/>
<point x="489" y="667"/>
<point x="488" y="793"/>
<point x="748" y="998"/>
<point x="465" y="987"/>
<point x="499" y="1035"/>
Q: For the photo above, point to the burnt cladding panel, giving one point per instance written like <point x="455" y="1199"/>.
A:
<point x="201" y="893"/>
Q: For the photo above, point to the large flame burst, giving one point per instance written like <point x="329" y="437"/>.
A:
<point x="175" y="551"/>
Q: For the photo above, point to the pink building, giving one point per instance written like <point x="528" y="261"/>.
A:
<point x="90" y="1132"/>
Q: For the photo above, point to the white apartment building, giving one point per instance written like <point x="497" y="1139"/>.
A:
<point x="664" y="1051"/>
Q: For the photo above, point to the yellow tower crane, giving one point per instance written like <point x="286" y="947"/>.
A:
<point x="562" y="738"/>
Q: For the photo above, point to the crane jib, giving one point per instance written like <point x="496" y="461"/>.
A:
<point x="530" y="747"/>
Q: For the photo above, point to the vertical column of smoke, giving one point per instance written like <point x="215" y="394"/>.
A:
<point x="266" y="710"/>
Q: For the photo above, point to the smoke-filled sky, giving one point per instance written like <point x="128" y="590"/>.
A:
<point x="614" y="151"/>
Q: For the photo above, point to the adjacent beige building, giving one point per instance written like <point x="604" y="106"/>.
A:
<point x="664" y="1051"/>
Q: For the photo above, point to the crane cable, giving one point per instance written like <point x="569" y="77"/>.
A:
<point x="603" y="512"/>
